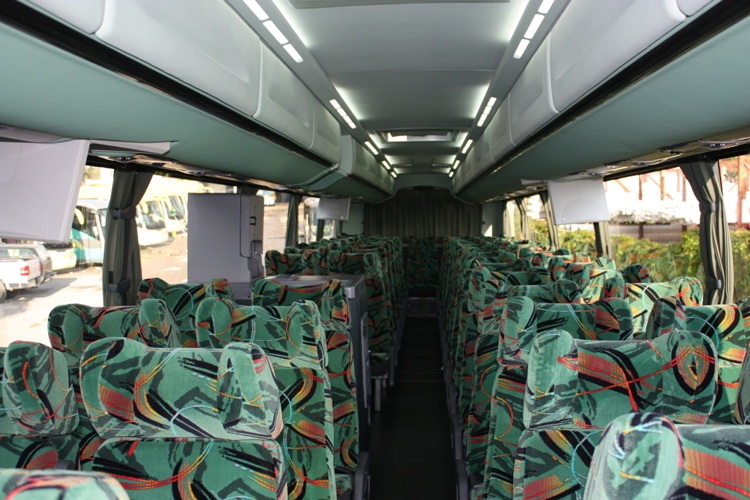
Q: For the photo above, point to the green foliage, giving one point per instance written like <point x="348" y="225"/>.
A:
<point x="579" y="241"/>
<point x="539" y="231"/>
<point x="741" y="255"/>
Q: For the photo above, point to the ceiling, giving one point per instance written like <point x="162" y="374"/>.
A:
<point x="414" y="67"/>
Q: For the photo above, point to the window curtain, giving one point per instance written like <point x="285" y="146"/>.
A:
<point x="601" y="235"/>
<point x="121" y="268"/>
<point x="502" y="219"/>
<point x="292" y="225"/>
<point x="554" y="237"/>
<point x="524" y="218"/>
<point x="423" y="214"/>
<point x="715" y="243"/>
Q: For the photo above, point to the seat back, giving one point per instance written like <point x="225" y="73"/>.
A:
<point x="21" y="484"/>
<point x="679" y="461"/>
<point x="585" y="384"/>
<point x="284" y="263"/>
<point x="184" y="417"/>
<point x="725" y="326"/>
<point x="294" y="339"/>
<point x="183" y="299"/>
<point x="641" y="297"/>
<point x="333" y="306"/>
<point x="39" y="408"/>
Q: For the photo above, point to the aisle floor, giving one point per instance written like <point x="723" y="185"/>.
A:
<point x="410" y="451"/>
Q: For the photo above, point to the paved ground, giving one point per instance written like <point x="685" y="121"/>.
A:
<point x="23" y="316"/>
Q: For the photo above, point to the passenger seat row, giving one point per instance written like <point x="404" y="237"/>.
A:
<point x="535" y="372"/>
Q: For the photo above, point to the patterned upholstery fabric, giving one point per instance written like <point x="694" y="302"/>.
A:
<point x="636" y="273"/>
<point x="181" y="422"/>
<point x="532" y="276"/>
<point x="284" y="263"/>
<point x="39" y="410"/>
<point x="641" y="297"/>
<point x="523" y="322"/>
<point x="607" y="319"/>
<point x="422" y="266"/>
<point x="561" y="291"/>
<point x="183" y="299"/>
<point x="725" y="326"/>
<point x="576" y="387"/>
<point x="59" y="484"/>
<point x="72" y="327"/>
<point x="331" y="300"/>
<point x="597" y="278"/>
<point x="584" y="383"/>
<point x="381" y="316"/>
<point x="294" y="339"/>
<point x="645" y="455"/>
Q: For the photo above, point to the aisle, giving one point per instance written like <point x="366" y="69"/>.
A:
<point x="410" y="450"/>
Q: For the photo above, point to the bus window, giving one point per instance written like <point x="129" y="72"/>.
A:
<point x="734" y="178"/>
<point x="274" y="223"/>
<point x="654" y="222"/>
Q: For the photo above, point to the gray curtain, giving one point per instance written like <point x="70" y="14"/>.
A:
<point x="554" y="237"/>
<point x="292" y="229"/>
<point x="601" y="234"/>
<point x="121" y="268"/>
<point x="503" y="218"/>
<point x="715" y="243"/>
<point x="423" y="214"/>
<point x="524" y="218"/>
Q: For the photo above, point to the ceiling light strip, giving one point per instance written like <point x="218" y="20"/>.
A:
<point x="296" y="57"/>
<point x="486" y="112"/>
<point x="467" y="146"/>
<point x="256" y="9"/>
<point x="371" y="148"/>
<point x="276" y="32"/>
<point x="532" y="29"/>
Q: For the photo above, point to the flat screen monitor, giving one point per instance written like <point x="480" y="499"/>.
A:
<point x="39" y="186"/>
<point x="578" y="201"/>
<point x="334" y="208"/>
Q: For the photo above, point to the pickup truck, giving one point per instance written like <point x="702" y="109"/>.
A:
<point x="21" y="267"/>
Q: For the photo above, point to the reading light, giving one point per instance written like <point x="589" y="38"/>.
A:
<point x="371" y="147"/>
<point x="534" y="26"/>
<point x="276" y="32"/>
<point x="522" y="45"/>
<point x="546" y="6"/>
<point x="292" y="52"/>
<point x="467" y="146"/>
<point x="256" y="9"/>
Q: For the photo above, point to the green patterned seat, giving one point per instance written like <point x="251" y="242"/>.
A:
<point x="333" y="305"/>
<point x="484" y="365"/>
<point x="576" y="387"/>
<point x="294" y="340"/>
<point x="725" y="326"/>
<point x="183" y="299"/>
<point x="185" y="423"/>
<point x="277" y="263"/>
<point x="72" y="327"/>
<point x="381" y="314"/>
<point x="645" y="455"/>
<point x="525" y="321"/>
<point x="39" y="411"/>
<point x="641" y="297"/>
<point x="636" y="273"/>
<point x="20" y="484"/>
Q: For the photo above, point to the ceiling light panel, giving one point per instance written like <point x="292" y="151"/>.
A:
<point x="296" y="57"/>
<point x="534" y="26"/>
<point x="522" y="46"/>
<point x="256" y="9"/>
<point x="546" y="6"/>
<point x="276" y="32"/>
<point x="467" y="146"/>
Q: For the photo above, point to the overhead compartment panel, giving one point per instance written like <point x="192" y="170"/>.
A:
<point x="530" y="99"/>
<point x="360" y="175"/>
<point x="327" y="137"/>
<point x="593" y="38"/>
<point x="204" y="44"/>
<point x="85" y="15"/>
<point x="286" y="105"/>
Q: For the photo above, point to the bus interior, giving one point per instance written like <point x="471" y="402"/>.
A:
<point x="460" y="302"/>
